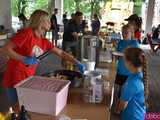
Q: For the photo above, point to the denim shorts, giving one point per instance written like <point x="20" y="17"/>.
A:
<point x="11" y="94"/>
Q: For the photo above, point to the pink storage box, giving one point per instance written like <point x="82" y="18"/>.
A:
<point x="43" y="95"/>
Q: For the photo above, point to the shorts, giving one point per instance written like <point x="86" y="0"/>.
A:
<point x="55" y="35"/>
<point x="120" y="79"/>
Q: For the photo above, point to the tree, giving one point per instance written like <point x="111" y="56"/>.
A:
<point x="138" y="6"/>
<point x="77" y="4"/>
<point x="95" y="6"/>
<point x="14" y="7"/>
<point x="51" y="5"/>
<point x="28" y="6"/>
<point x="70" y="6"/>
<point x="22" y="4"/>
<point x="88" y="7"/>
<point x="37" y="4"/>
<point x="92" y="2"/>
<point x="19" y="6"/>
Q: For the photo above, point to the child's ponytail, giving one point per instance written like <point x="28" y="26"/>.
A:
<point x="145" y="78"/>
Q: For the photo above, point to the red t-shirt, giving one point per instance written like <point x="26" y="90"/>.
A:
<point x="27" y="44"/>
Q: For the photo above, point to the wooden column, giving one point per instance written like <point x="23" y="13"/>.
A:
<point x="5" y="13"/>
<point x="59" y="5"/>
<point x="150" y="15"/>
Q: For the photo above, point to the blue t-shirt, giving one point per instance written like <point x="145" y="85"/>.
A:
<point x="122" y="44"/>
<point x="133" y="92"/>
<point x="115" y="37"/>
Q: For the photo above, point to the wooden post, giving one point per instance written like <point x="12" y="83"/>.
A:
<point x="5" y="13"/>
<point x="150" y="14"/>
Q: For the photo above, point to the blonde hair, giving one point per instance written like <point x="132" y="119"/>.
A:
<point x="137" y="58"/>
<point x="130" y="28"/>
<point x="125" y="27"/>
<point x="36" y="18"/>
<point x="145" y="79"/>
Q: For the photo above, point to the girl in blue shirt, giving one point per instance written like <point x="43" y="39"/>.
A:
<point x="122" y="71"/>
<point x="135" y="90"/>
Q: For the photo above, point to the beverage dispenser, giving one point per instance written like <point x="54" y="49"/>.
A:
<point x="90" y="48"/>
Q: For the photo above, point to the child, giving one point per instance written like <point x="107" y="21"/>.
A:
<point x="122" y="72"/>
<point x="135" y="90"/>
<point x="135" y="22"/>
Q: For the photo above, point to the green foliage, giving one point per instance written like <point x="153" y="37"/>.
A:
<point x="14" y="7"/>
<point x="69" y="6"/>
<point x="19" y="6"/>
<point x="137" y="8"/>
<point x="88" y="7"/>
<point x="37" y="4"/>
<point x="28" y="6"/>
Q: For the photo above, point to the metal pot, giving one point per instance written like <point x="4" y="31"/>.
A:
<point x="93" y="74"/>
<point x="75" y="77"/>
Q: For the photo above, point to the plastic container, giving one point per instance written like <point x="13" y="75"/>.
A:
<point x="43" y="95"/>
<point x="93" y="87"/>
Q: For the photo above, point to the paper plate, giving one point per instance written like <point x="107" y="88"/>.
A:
<point x="116" y="53"/>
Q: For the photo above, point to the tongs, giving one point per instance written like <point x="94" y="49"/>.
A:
<point x="44" y="55"/>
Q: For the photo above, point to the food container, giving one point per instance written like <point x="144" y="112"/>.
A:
<point x="76" y="78"/>
<point x="43" y="95"/>
<point x="93" y="87"/>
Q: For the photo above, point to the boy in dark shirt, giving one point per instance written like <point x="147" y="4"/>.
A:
<point x="71" y="34"/>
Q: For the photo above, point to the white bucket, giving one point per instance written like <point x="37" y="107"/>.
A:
<point x="90" y="65"/>
<point x="93" y="86"/>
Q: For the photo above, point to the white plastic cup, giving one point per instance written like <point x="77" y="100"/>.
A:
<point x="90" y="65"/>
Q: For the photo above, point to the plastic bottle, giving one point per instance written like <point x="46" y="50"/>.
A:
<point x="14" y="116"/>
<point x="2" y="117"/>
<point x="23" y="115"/>
<point x="9" y="114"/>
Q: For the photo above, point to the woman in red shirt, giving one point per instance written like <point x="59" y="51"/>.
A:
<point x="23" y="49"/>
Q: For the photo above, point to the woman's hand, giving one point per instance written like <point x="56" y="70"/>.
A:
<point x="116" y="110"/>
<point x="121" y="105"/>
<point x="64" y="55"/>
<point x="30" y="60"/>
<point x="68" y="57"/>
<point x="81" y="67"/>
